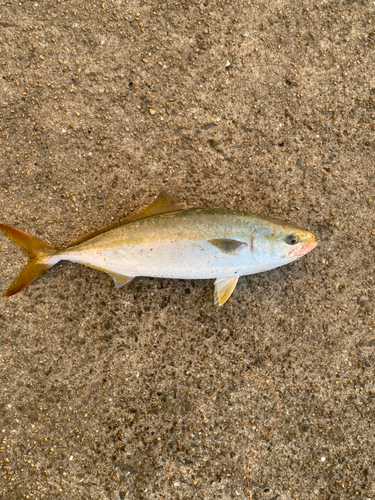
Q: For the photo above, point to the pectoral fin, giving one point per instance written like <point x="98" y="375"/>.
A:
<point x="224" y="288"/>
<point x="120" y="280"/>
<point x="231" y="247"/>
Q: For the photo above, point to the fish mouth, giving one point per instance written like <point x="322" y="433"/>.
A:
<point x="309" y="245"/>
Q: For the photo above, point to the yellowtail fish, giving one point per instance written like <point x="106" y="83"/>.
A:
<point x="166" y="240"/>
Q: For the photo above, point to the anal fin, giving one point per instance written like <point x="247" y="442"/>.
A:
<point x="120" y="279"/>
<point x="224" y="288"/>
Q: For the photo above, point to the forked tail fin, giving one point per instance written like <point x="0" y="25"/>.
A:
<point x="42" y="257"/>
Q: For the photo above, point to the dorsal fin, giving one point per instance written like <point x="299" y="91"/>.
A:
<point x="164" y="203"/>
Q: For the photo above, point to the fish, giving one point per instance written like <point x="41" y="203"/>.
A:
<point x="168" y="240"/>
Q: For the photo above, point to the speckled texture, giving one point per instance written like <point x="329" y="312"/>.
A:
<point x="247" y="105"/>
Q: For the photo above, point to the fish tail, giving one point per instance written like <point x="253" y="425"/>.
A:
<point x="42" y="256"/>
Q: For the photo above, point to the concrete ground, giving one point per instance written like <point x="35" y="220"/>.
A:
<point x="266" y="107"/>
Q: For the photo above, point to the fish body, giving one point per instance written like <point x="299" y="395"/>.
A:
<point x="180" y="245"/>
<point x="167" y="241"/>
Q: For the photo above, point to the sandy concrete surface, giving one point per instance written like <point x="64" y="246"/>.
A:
<point x="267" y="107"/>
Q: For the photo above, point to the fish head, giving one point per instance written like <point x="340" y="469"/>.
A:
<point x="280" y="243"/>
<point x="296" y="244"/>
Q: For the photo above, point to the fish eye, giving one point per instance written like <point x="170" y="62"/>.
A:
<point x="291" y="239"/>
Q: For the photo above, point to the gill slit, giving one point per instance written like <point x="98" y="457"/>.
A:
<point x="252" y="246"/>
<point x="261" y="268"/>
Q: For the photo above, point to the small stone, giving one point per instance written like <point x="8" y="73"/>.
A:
<point x="145" y="60"/>
<point x="151" y="111"/>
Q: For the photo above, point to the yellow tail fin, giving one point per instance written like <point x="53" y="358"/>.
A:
<point x="42" y="257"/>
